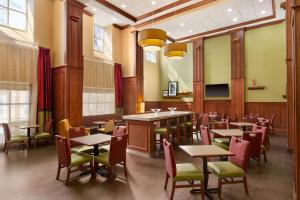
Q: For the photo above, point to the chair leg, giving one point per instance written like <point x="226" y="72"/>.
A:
<point x="197" y="136"/>
<point x="166" y="181"/>
<point x="35" y="143"/>
<point x="4" y="148"/>
<point x="265" y="155"/>
<point x="58" y="172"/>
<point x="259" y="164"/>
<point x="125" y="169"/>
<point x="202" y="190"/>
<point x="246" y="185"/>
<point x="173" y="190"/>
<point x="68" y="176"/>
<point x="219" y="188"/>
<point x="7" y="148"/>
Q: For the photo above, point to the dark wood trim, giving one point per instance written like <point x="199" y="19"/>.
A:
<point x="170" y="39"/>
<point x="117" y="9"/>
<point x="88" y="13"/>
<point x="161" y="9"/>
<point x="117" y="26"/>
<point x="176" y="12"/>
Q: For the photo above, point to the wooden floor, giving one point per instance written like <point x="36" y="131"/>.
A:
<point x="31" y="176"/>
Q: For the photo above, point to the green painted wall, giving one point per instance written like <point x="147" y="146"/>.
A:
<point x="177" y="70"/>
<point x="217" y="61"/>
<point x="265" y="62"/>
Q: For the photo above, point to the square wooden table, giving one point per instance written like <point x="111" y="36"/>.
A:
<point x="28" y="127"/>
<point x="93" y="140"/>
<point x="204" y="152"/>
<point x="228" y="132"/>
<point x="99" y="123"/>
<point x="243" y="125"/>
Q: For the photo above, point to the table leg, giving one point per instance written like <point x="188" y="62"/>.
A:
<point x="28" y="135"/>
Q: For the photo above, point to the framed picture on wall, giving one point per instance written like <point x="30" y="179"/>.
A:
<point x="173" y="85"/>
<point x="165" y="93"/>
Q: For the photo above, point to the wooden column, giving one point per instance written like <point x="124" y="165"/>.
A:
<point x="237" y="73"/>
<point x="133" y="87"/>
<point x="198" y="75"/>
<point x="296" y="75"/>
<point x="68" y="79"/>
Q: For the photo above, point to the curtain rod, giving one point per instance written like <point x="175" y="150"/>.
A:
<point x="23" y="41"/>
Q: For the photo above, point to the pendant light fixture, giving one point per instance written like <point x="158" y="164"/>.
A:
<point x="152" y="39"/>
<point x="175" y="50"/>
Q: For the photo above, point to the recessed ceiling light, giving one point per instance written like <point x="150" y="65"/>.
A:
<point x="94" y="9"/>
<point x="114" y="19"/>
<point x="235" y="19"/>
<point x="191" y="31"/>
<point x="153" y="2"/>
<point x="229" y="9"/>
<point x="181" y="24"/>
<point x="260" y="1"/>
<point x="123" y="6"/>
<point x="168" y="33"/>
<point x="263" y="12"/>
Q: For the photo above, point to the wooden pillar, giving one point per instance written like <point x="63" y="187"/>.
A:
<point x="133" y="87"/>
<point x="237" y="73"/>
<point x="198" y="75"/>
<point x="296" y="75"/>
<point x="68" y="79"/>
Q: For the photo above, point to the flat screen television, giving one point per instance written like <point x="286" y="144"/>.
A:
<point x="217" y="90"/>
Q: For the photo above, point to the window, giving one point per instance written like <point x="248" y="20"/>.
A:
<point x="150" y="56"/>
<point x="98" y="38"/>
<point x="13" y="13"/>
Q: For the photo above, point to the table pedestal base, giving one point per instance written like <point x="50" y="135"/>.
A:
<point x="207" y="192"/>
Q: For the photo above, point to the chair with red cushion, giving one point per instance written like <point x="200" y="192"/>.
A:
<point x="255" y="146"/>
<point x="115" y="155"/>
<point x="68" y="160"/>
<point x="183" y="172"/>
<point x="264" y="140"/>
<point x="206" y="140"/>
<point x="236" y="166"/>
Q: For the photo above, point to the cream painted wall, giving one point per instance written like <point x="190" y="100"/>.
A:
<point x="177" y="70"/>
<point x="265" y="62"/>
<point x="152" y="79"/>
<point x="39" y="29"/>
<point x="217" y="60"/>
<point x="116" y="45"/>
<point x="88" y="35"/>
<point x="128" y="52"/>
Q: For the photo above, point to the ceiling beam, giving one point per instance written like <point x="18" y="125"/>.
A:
<point x="176" y="12"/>
<point x="161" y="9"/>
<point x="117" y="9"/>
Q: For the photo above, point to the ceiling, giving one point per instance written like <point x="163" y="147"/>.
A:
<point x="214" y="15"/>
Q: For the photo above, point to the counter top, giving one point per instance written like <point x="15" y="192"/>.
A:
<point x="156" y="116"/>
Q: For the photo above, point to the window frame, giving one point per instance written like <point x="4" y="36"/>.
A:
<point x="148" y="57"/>
<point x="101" y="39"/>
<point x="8" y="10"/>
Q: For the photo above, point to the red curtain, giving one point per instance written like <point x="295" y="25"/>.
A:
<point x="118" y="85"/>
<point x="44" y="81"/>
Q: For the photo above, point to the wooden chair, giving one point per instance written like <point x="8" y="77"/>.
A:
<point x="13" y="140"/>
<point x="265" y="139"/>
<point x="235" y="167"/>
<point x="255" y="146"/>
<point x="162" y="130"/>
<point x="118" y="130"/>
<point x="205" y="120"/>
<point x="271" y="125"/>
<point x="68" y="160"/>
<point x="196" y="127"/>
<point x="183" y="172"/>
<point x="108" y="127"/>
<point x="116" y="154"/>
<point x="76" y="147"/>
<point x="206" y="140"/>
<point x="46" y="134"/>
<point x="64" y="127"/>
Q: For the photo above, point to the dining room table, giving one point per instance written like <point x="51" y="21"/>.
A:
<point x="242" y="125"/>
<point x="99" y="123"/>
<point x="28" y="127"/>
<point x="228" y="132"/>
<point x="205" y="152"/>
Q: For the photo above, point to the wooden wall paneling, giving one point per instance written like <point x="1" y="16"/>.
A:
<point x="198" y="75"/>
<point x="129" y="95"/>
<point x="220" y="106"/>
<point x="296" y="71"/>
<point x="237" y="73"/>
<point x="290" y="76"/>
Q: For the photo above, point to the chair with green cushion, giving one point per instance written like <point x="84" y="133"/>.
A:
<point x="68" y="160"/>
<point x="118" y="130"/>
<point x="46" y="134"/>
<point x="235" y="168"/>
<point x="13" y="140"/>
<point x="108" y="127"/>
<point x="184" y="172"/>
<point x="115" y="155"/>
<point x="206" y="140"/>
<point x="79" y="148"/>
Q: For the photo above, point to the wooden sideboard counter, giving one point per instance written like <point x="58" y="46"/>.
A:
<point x="140" y="128"/>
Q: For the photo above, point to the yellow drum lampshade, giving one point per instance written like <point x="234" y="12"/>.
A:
<point x="175" y="51"/>
<point x="152" y="39"/>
